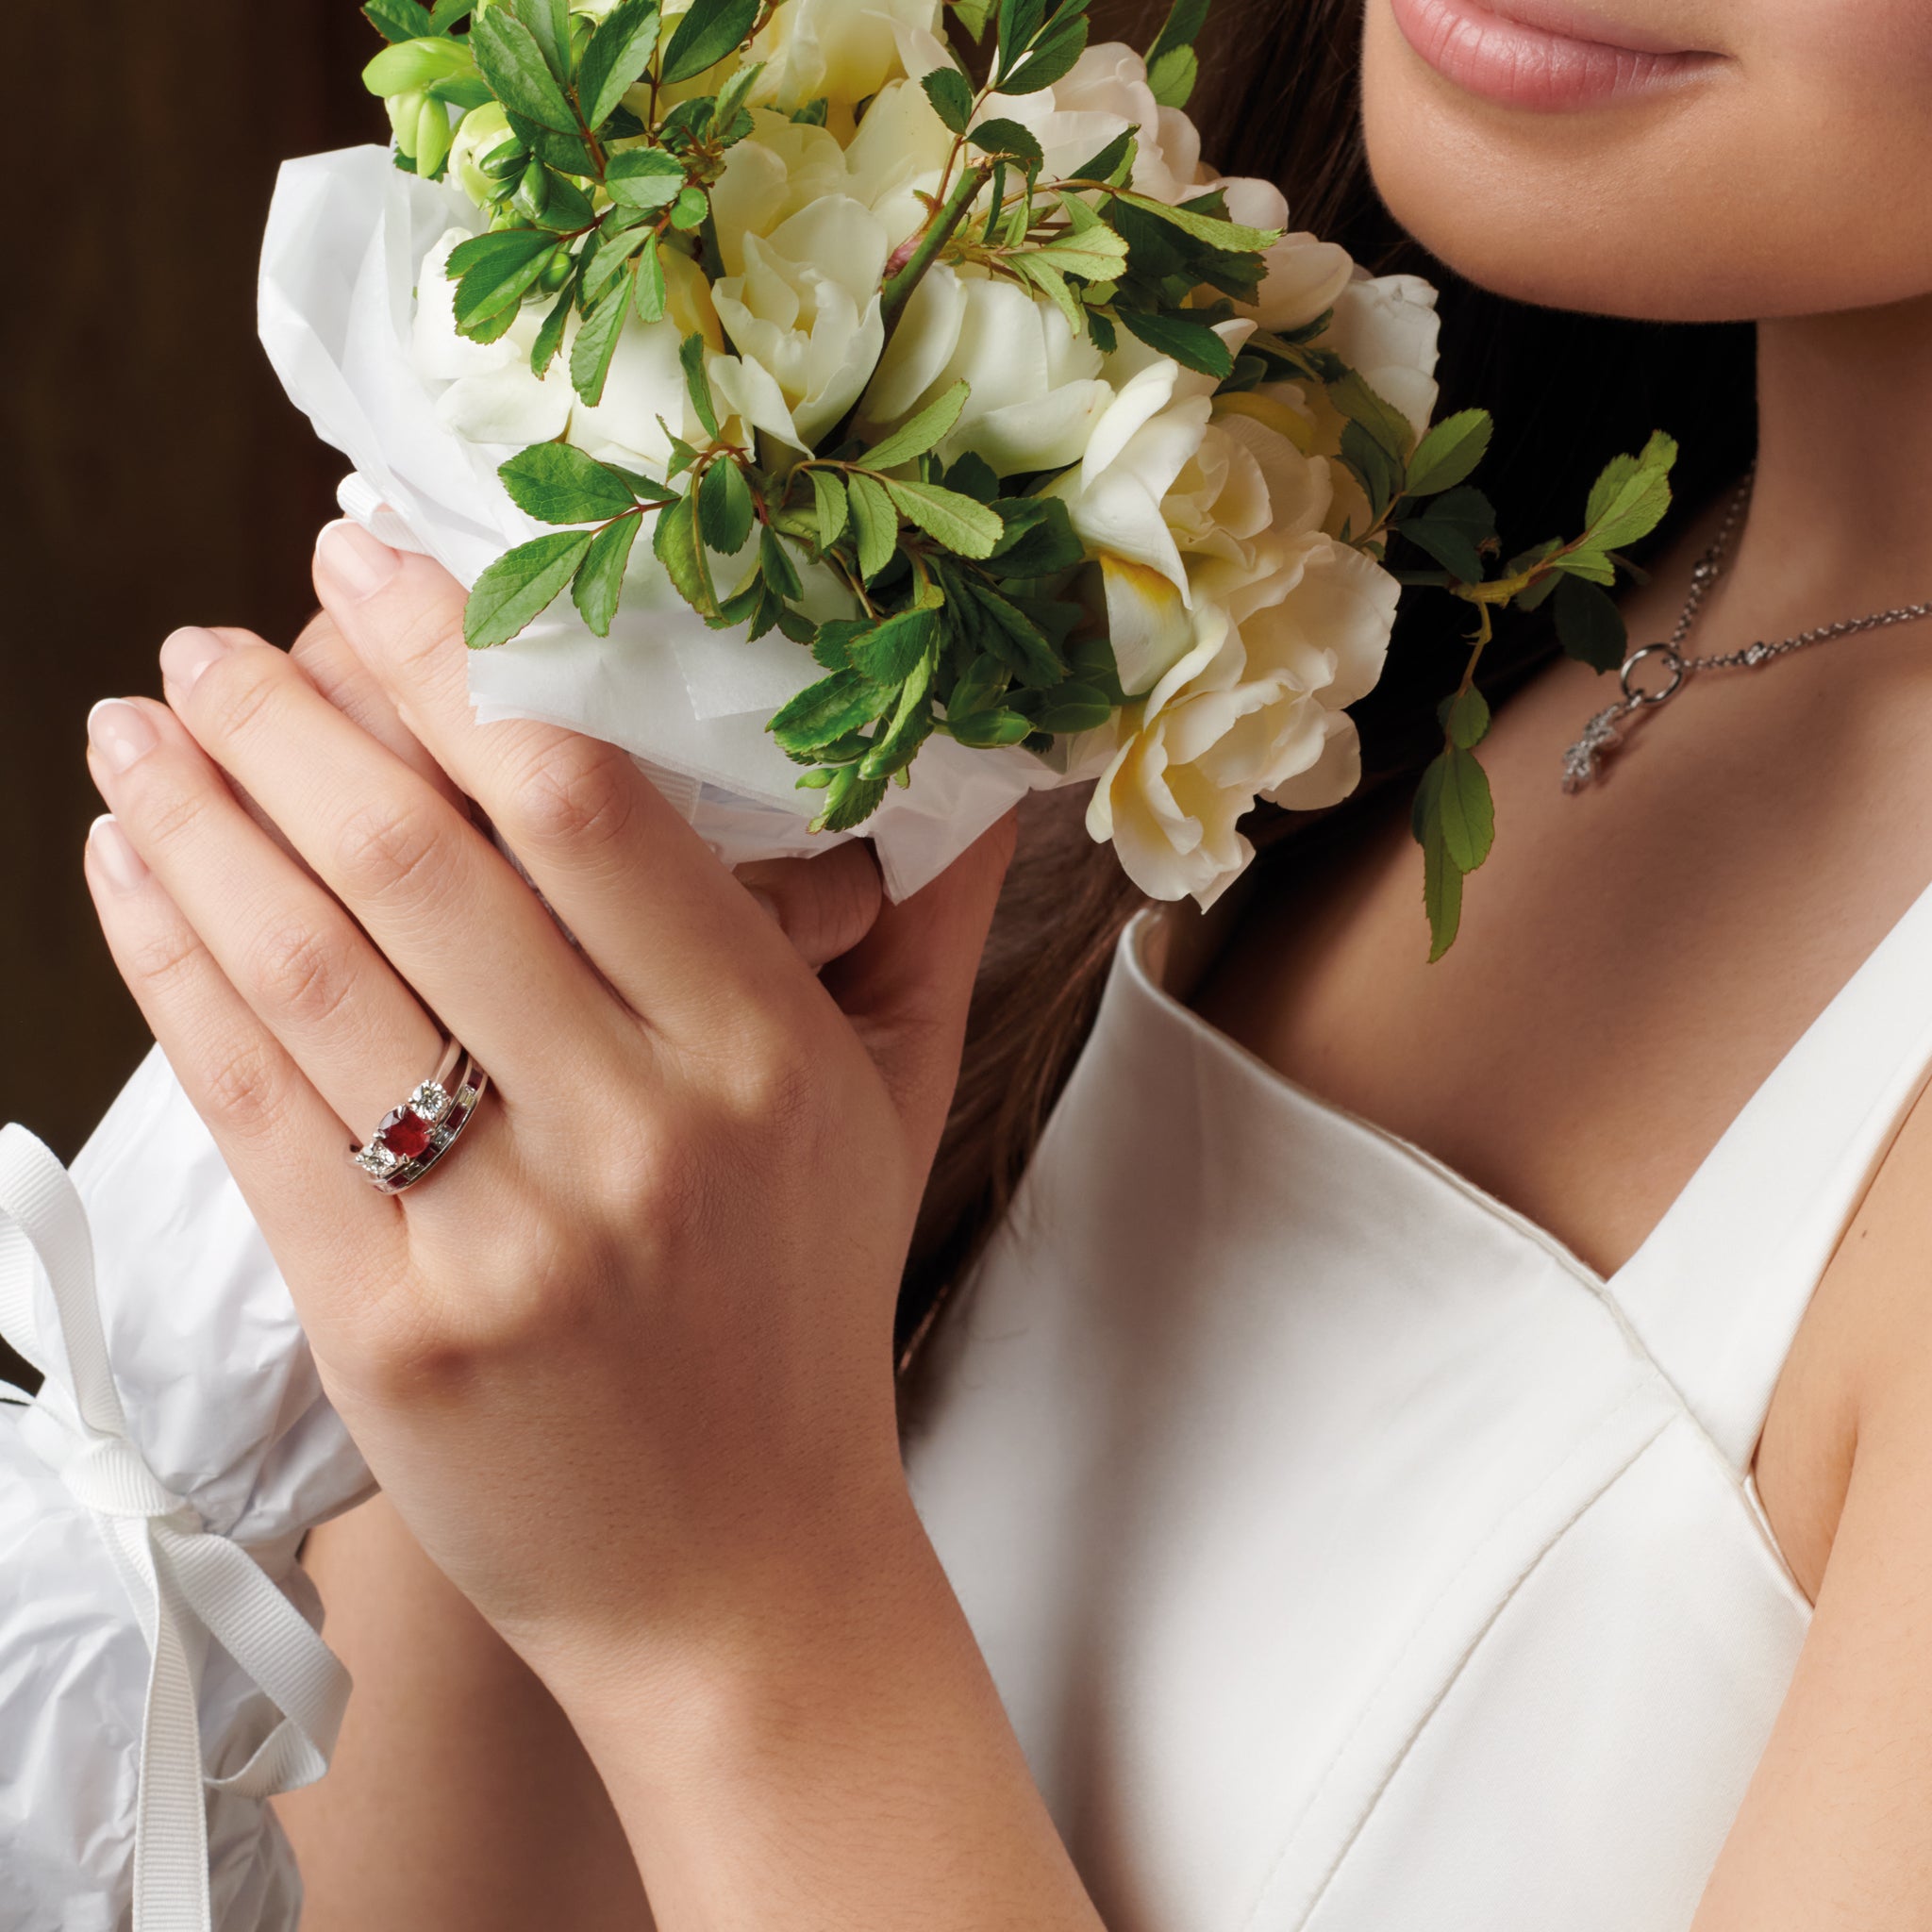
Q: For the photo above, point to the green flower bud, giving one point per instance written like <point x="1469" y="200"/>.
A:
<point x="432" y="138"/>
<point x="404" y="118"/>
<point x="533" y="190"/>
<point x="555" y="271"/>
<point x="485" y="130"/>
<point x="411" y="65"/>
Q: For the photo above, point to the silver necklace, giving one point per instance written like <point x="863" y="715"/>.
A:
<point x="1584" y="759"/>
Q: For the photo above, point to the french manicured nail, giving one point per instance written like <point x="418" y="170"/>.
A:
<point x="116" y="853"/>
<point x="120" y="733"/>
<point x="187" y="653"/>
<point x="353" y="562"/>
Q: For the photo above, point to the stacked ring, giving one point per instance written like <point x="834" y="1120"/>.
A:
<point x="410" y="1139"/>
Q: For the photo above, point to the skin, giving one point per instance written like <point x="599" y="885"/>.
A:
<point x="644" y="1606"/>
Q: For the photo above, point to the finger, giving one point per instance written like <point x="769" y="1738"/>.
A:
<point x="906" y="985"/>
<point x="280" y="1139"/>
<point x="649" y="903"/>
<point x="344" y="680"/>
<point x="437" y="900"/>
<point x="824" y="904"/>
<point x="278" y="940"/>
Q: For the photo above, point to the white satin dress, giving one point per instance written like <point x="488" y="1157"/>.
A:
<point x="1349" y="1556"/>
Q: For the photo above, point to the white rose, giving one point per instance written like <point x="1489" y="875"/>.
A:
<point x="1035" y="393"/>
<point x="899" y="153"/>
<point x="483" y="130"/>
<point x="780" y="167"/>
<point x="1385" y="328"/>
<point x="842" y="50"/>
<point x="1100" y="97"/>
<point x="1304" y="275"/>
<point x="494" y="397"/>
<point x="1253" y="708"/>
<point x="804" y="316"/>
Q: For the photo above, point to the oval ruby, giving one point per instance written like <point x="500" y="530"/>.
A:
<point x="404" y="1133"/>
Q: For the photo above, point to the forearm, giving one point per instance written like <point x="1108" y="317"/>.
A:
<point x="841" y="1760"/>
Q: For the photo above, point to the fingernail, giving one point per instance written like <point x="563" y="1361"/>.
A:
<point x="116" y="853"/>
<point x="120" y="733"/>
<point x="354" y="563"/>
<point x="186" y="654"/>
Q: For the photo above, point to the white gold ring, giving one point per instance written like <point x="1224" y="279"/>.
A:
<point x="410" y="1139"/>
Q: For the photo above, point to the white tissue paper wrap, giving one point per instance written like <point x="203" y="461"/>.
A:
<point x="347" y="233"/>
<point x="210" y="1438"/>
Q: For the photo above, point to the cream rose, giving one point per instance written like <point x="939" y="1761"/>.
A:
<point x="842" y="50"/>
<point x="1034" y="394"/>
<point x="804" y="317"/>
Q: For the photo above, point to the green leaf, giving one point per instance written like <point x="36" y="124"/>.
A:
<point x="611" y="257"/>
<point x="1040" y="540"/>
<point x="1098" y="167"/>
<point x="972" y="475"/>
<point x="520" y="585"/>
<point x="513" y="64"/>
<point x="1629" y="500"/>
<point x="1450" y="529"/>
<point x="675" y="543"/>
<point x="1373" y="467"/>
<point x="1170" y="79"/>
<point x="1351" y="395"/>
<point x="447" y="14"/>
<point x="845" y="701"/>
<point x="1232" y="235"/>
<point x="918" y="433"/>
<point x="557" y="483"/>
<point x="599" y="581"/>
<point x="1465" y="809"/>
<point x="1442" y="894"/>
<point x="1009" y="140"/>
<point x="492" y="272"/>
<point x="874" y="523"/>
<point x="951" y="95"/>
<point x="645" y="177"/>
<point x="1095" y="254"/>
<point x="691" y="208"/>
<point x="649" y="295"/>
<point x="596" y="343"/>
<point x="829" y="500"/>
<point x="775" y="563"/>
<point x="1181" y="28"/>
<point x="710" y="30"/>
<point x="1018" y="642"/>
<point x="550" y="337"/>
<point x="1588" y="562"/>
<point x="910" y="726"/>
<point x="398" y="20"/>
<point x="1465" y="716"/>
<point x="850" y="800"/>
<point x="1449" y="452"/>
<point x="615" y="60"/>
<point x="973" y="15"/>
<point x="965" y="527"/>
<point x="1072" y="708"/>
<point x="1590" y="626"/>
<point x="1051" y="57"/>
<point x="726" y="512"/>
<point x="691" y="353"/>
<point x="893" y="648"/>
<point x="1192" y="344"/>
<point x="549" y="23"/>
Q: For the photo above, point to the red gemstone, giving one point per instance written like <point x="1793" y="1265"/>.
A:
<point x="404" y="1133"/>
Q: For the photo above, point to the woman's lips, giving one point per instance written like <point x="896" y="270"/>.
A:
<point x="1562" y="60"/>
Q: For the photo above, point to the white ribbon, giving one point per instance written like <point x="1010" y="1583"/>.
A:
<point x="188" y="1583"/>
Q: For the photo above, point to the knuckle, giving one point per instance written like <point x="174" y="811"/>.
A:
<point x="577" y="794"/>
<point x="385" y="849"/>
<point x="303" y="973"/>
<point x="157" y="962"/>
<point x="242" y="1089"/>
<point x="236" y="695"/>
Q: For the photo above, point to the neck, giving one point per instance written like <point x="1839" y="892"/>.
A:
<point x="1841" y="513"/>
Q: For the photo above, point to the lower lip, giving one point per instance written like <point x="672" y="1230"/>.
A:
<point x="1510" y="62"/>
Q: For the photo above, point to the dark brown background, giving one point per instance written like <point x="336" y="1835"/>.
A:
<point x="151" y="471"/>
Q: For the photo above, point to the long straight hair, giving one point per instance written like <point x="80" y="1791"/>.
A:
<point x="1281" y="100"/>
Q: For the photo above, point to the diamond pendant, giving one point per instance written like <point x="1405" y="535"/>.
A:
<point x="1584" y="761"/>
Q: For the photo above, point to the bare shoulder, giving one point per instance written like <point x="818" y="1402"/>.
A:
<point x="1857" y="1384"/>
<point x="459" y="1795"/>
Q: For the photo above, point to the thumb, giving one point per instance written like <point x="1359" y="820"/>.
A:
<point x="905" y="987"/>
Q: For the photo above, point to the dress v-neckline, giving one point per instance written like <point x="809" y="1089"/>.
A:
<point x="1771" y="1195"/>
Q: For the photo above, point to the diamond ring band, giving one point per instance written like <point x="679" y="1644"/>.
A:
<point x="410" y="1139"/>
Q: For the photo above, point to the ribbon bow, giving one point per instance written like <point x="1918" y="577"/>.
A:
<point x="188" y="1583"/>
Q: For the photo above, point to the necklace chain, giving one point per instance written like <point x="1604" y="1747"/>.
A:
<point x="1583" y="761"/>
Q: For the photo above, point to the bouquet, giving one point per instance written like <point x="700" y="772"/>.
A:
<point x="980" y="437"/>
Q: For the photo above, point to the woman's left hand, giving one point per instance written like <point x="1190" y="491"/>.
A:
<point x="623" y="1360"/>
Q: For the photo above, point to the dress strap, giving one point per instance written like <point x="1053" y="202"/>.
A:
<point x="1718" y="1290"/>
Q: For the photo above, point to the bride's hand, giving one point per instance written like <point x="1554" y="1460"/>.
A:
<point x="624" y="1359"/>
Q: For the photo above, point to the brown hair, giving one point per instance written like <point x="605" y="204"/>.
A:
<point x="1567" y="390"/>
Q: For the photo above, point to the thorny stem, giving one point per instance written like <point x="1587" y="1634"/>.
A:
<point x="938" y="231"/>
